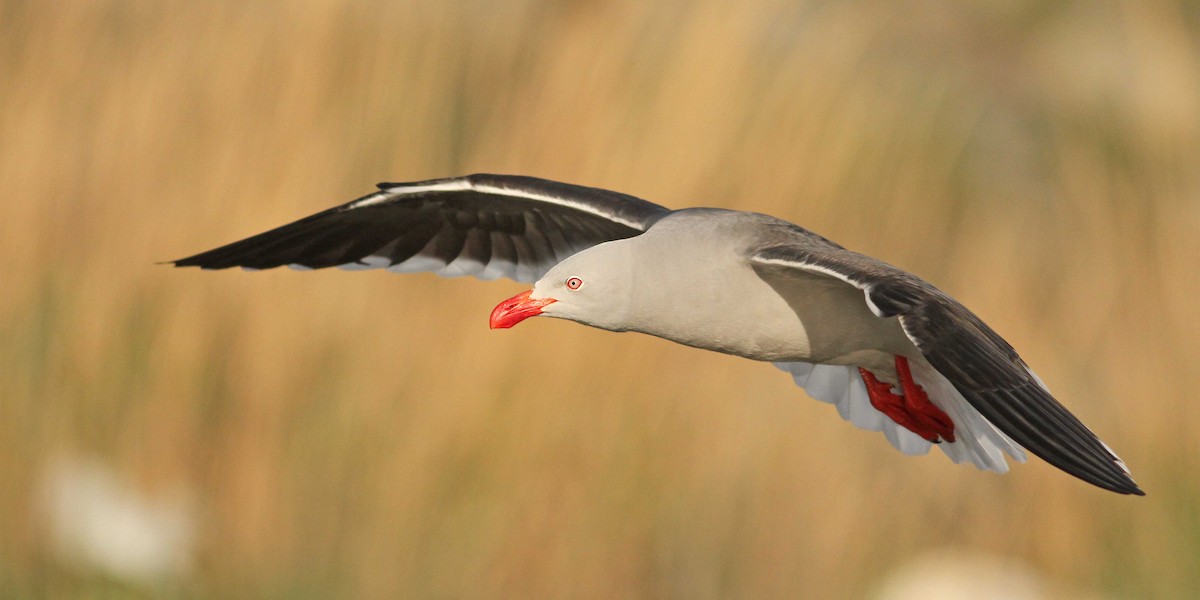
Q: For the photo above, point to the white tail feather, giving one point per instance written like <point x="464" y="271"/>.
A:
<point x="977" y="441"/>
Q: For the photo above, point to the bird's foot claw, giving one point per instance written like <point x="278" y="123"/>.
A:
<point x="912" y="410"/>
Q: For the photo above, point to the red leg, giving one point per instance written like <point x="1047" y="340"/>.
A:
<point x="912" y="410"/>
<point x="917" y="402"/>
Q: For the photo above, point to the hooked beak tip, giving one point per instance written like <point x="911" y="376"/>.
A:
<point x="517" y="309"/>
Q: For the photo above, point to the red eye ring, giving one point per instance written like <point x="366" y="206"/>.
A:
<point x="574" y="283"/>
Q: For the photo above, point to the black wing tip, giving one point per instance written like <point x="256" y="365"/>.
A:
<point x="1114" y="477"/>
<point x="1128" y="485"/>
<point x="213" y="261"/>
<point x="191" y="261"/>
<point x="1120" y="482"/>
<point x="205" y="260"/>
<point x="1103" y="469"/>
<point x="1128" y="488"/>
<point x="207" y="263"/>
<point x="188" y="262"/>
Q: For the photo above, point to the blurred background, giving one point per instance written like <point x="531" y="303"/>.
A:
<point x="177" y="433"/>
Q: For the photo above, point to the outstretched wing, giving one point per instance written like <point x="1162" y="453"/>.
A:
<point x="983" y="367"/>
<point x="488" y="226"/>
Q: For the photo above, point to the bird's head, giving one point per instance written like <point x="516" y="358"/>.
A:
<point x="590" y="287"/>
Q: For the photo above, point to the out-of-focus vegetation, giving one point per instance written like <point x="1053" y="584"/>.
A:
<point x="365" y="435"/>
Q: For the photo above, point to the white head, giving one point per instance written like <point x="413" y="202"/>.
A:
<point x="592" y="287"/>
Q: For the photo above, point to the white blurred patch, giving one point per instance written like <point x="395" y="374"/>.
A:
<point x="949" y="575"/>
<point x="98" y="521"/>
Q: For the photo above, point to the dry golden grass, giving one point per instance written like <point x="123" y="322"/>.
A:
<point x="365" y="435"/>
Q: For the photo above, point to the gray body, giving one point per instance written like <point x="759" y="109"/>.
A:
<point x="718" y="299"/>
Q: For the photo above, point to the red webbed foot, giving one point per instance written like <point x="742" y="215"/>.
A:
<point x="912" y="409"/>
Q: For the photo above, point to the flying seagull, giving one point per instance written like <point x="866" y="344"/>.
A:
<point x="889" y="350"/>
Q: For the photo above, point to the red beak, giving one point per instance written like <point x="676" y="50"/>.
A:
<point x="517" y="309"/>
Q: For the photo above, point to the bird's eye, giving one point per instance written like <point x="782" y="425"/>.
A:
<point x="573" y="283"/>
